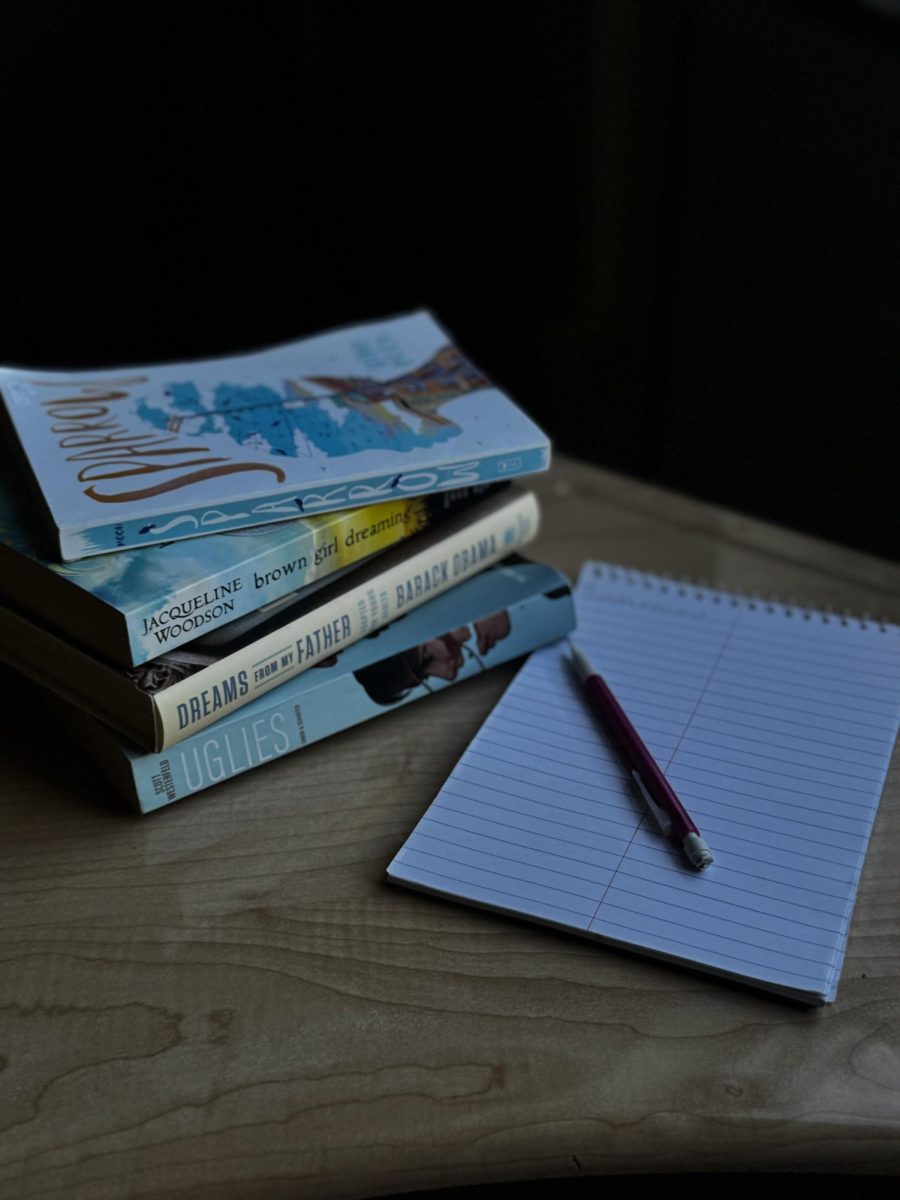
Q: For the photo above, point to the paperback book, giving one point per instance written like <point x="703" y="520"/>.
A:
<point x="181" y="692"/>
<point x="138" y="604"/>
<point x="504" y="612"/>
<point x="140" y="455"/>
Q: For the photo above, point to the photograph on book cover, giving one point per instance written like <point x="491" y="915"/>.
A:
<point x="167" y="701"/>
<point x="492" y="618"/>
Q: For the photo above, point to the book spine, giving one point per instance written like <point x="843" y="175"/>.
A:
<point x="321" y="546"/>
<point x="291" y="720"/>
<point x="240" y="514"/>
<point x="210" y="694"/>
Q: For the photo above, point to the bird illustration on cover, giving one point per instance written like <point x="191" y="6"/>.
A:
<point x="356" y="412"/>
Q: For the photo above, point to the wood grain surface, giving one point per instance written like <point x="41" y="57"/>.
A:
<point x="224" y="1001"/>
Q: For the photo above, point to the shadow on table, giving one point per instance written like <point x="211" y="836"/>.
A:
<point x="35" y="740"/>
<point x="742" y="1186"/>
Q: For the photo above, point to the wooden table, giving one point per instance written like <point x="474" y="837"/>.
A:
<point x="223" y="1000"/>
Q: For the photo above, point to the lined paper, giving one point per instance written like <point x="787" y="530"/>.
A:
<point x="775" y="727"/>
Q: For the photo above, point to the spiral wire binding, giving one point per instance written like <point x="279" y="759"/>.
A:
<point x="713" y="590"/>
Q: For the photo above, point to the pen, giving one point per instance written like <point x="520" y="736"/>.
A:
<point x="658" y="795"/>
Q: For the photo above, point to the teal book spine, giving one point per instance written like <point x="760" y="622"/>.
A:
<point x="148" y="601"/>
<point x="501" y="614"/>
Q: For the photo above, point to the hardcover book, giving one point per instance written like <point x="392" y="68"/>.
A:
<point x="140" y="455"/>
<point x="500" y="614"/>
<point x="181" y="692"/>
<point x="138" y="604"/>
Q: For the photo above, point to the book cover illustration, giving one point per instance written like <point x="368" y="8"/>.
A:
<point x="499" y="615"/>
<point x="135" y="456"/>
<point x="168" y="594"/>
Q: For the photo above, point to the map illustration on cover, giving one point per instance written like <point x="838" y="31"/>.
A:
<point x="135" y="456"/>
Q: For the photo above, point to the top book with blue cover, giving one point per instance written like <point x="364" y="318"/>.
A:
<point x="141" y="455"/>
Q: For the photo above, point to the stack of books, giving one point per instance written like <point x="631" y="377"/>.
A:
<point x="208" y="565"/>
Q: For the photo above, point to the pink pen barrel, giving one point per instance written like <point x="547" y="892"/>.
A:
<point x="631" y="747"/>
<point x="658" y="794"/>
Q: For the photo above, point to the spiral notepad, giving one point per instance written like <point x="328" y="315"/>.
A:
<point x="775" y="726"/>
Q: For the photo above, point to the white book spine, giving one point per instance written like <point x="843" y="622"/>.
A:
<point x="205" y="697"/>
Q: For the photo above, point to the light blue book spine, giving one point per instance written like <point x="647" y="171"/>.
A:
<point x="166" y="595"/>
<point x="237" y="514"/>
<point x="503" y="613"/>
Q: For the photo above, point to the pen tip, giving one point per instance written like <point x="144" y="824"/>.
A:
<point x="698" y="853"/>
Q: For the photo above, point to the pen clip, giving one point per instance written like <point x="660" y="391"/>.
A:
<point x="662" y="819"/>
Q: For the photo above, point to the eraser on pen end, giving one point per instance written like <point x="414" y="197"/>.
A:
<point x="580" y="662"/>
<point x="698" y="853"/>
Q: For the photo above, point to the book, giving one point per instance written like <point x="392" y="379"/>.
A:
<point x="164" y="701"/>
<point x="139" y="455"/>
<point x="135" y="605"/>
<point x="498" y="615"/>
<point x="773" y="724"/>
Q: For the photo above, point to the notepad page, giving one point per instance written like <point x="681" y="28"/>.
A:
<point x="775" y="727"/>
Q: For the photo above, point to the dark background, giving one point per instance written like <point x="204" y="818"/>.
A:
<point x="669" y="228"/>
